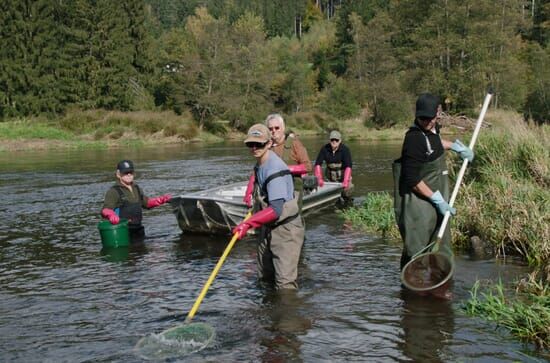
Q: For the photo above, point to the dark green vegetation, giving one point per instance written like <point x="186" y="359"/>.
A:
<point x="504" y="200"/>
<point x="228" y="63"/>
<point x="375" y="215"/>
<point x="526" y="314"/>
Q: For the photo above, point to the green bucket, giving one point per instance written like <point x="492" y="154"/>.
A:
<point x="114" y="235"/>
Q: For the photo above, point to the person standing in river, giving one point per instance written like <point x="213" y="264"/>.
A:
<point x="421" y="181"/>
<point x="277" y="215"/>
<point x="125" y="199"/>
<point x="338" y="159"/>
<point x="288" y="148"/>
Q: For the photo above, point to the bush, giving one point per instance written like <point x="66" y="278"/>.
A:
<point x="505" y="198"/>
<point x="317" y="121"/>
<point x="375" y="215"/>
<point x="341" y="99"/>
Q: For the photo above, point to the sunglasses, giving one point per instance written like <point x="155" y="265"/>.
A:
<point x="256" y="145"/>
<point x="334" y="140"/>
<point x="274" y="128"/>
<point x="128" y="173"/>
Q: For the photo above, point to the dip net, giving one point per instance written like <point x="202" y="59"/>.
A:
<point x="427" y="271"/>
<point x="175" y="342"/>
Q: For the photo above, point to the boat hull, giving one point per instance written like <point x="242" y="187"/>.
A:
<point x="218" y="210"/>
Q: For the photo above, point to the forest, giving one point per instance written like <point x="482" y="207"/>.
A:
<point x="231" y="62"/>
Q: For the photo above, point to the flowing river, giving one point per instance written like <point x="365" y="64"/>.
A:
<point x="63" y="299"/>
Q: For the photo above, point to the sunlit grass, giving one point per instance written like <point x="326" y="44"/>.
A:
<point x="375" y="215"/>
<point x="30" y="129"/>
<point x="505" y="198"/>
<point x="526" y="316"/>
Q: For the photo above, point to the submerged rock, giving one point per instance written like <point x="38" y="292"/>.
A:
<point x="480" y="249"/>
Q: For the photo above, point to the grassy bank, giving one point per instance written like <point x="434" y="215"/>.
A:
<point x="525" y="313"/>
<point x="103" y="129"/>
<point x="100" y="129"/>
<point x="505" y="201"/>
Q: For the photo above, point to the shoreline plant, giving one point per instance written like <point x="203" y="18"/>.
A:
<point x="505" y="201"/>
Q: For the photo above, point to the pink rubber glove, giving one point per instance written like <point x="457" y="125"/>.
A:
<point x="297" y="169"/>
<point x="258" y="219"/>
<point x="347" y="178"/>
<point x="249" y="189"/>
<point x="155" y="202"/>
<point x="319" y="174"/>
<point x="110" y="215"/>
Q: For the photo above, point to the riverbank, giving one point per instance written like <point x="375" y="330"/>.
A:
<point x="503" y="208"/>
<point x="102" y="129"/>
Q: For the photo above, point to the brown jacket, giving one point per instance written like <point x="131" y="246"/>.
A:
<point x="293" y="152"/>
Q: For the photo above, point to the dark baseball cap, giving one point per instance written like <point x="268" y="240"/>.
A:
<point x="427" y="105"/>
<point x="125" y="166"/>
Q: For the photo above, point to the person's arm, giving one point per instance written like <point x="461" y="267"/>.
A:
<point x="346" y="158"/>
<point x="158" y="201"/>
<point x="317" y="170"/>
<point x="423" y="189"/>
<point x="320" y="157"/>
<point x="299" y="154"/>
<point x="249" y="189"/>
<point x="412" y="158"/>
<point x="446" y="144"/>
<point x="435" y="197"/>
<point x="458" y="147"/>
<point x="110" y="203"/>
<point x="258" y="219"/>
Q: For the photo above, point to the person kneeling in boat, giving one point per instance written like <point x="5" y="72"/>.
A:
<point x="338" y="159"/>
<point x="277" y="215"/>
<point x="125" y="199"/>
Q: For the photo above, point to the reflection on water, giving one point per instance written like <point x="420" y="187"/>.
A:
<point x="66" y="299"/>
<point x="419" y="343"/>
<point x="286" y="322"/>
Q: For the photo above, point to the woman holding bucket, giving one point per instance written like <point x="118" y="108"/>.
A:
<point x="421" y="181"/>
<point x="125" y="199"/>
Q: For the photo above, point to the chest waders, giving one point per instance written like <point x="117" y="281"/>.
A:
<point x="296" y="179"/>
<point x="417" y="218"/>
<point x="131" y="211"/>
<point x="334" y="172"/>
<point x="280" y="242"/>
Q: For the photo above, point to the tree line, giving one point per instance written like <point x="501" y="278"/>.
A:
<point x="233" y="61"/>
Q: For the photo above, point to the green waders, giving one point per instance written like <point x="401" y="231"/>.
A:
<point x="417" y="218"/>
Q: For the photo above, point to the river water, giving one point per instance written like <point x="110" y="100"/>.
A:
<point x="63" y="299"/>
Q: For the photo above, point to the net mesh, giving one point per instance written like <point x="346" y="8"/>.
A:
<point x="427" y="271"/>
<point x="175" y="342"/>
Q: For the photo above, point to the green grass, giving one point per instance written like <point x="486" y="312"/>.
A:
<point x="526" y="316"/>
<point x="505" y="198"/>
<point x="375" y="215"/>
<point x="28" y="129"/>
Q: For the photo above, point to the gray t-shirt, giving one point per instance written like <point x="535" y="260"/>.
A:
<point x="278" y="188"/>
